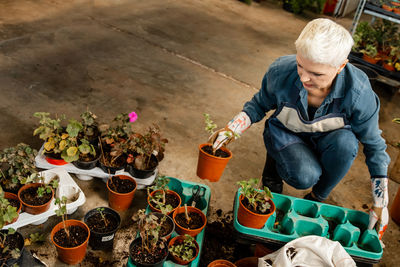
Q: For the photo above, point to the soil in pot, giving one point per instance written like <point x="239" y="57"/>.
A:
<point x="29" y="196"/>
<point x="9" y="187"/>
<point x="13" y="241"/>
<point x="77" y="236"/>
<point x="246" y="203"/>
<point x="119" y="185"/>
<point x="14" y="202"/>
<point x="195" y="222"/>
<point x="141" y="256"/>
<point x="170" y="199"/>
<point x="108" y="167"/>
<point x="102" y="229"/>
<point x="97" y="224"/>
<point x="219" y="153"/>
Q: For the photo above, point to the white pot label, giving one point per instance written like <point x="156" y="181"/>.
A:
<point x="107" y="238"/>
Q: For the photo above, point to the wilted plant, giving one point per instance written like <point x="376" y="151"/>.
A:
<point x="258" y="199"/>
<point x="149" y="231"/>
<point x="13" y="253"/>
<point x="185" y="250"/>
<point x="159" y="198"/>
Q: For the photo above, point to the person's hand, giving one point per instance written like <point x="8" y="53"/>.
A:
<point x="378" y="214"/>
<point x="233" y="130"/>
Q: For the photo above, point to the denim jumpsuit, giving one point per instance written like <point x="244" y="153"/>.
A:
<point x="318" y="152"/>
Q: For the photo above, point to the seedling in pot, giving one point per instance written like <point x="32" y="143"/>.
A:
<point x="210" y="126"/>
<point x="62" y="211"/>
<point x="258" y="200"/>
<point x="159" y="199"/>
<point x="51" y="131"/>
<point x="7" y="212"/>
<point x="185" y="250"/>
<point x="101" y="211"/>
<point x="4" y="248"/>
<point x="46" y="188"/>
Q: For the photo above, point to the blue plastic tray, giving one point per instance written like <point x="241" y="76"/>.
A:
<point x="295" y="217"/>
<point x="184" y="189"/>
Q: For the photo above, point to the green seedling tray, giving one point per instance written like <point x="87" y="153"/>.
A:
<point x="296" y="217"/>
<point x="184" y="189"/>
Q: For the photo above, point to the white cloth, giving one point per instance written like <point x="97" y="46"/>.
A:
<point x="309" y="251"/>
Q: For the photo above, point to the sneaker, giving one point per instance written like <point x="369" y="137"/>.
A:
<point x="310" y="197"/>
<point x="274" y="184"/>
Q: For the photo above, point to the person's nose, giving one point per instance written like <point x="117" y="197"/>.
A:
<point x="304" y="77"/>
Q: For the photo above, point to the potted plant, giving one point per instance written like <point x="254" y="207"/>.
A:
<point x="11" y="246"/>
<point x="69" y="236"/>
<point x="121" y="191"/>
<point x="17" y="167"/>
<point x="211" y="164"/>
<point x="114" y="143"/>
<point x="145" y="152"/>
<point x="51" y="131"/>
<point x="103" y="222"/>
<point x="370" y="53"/>
<point x="90" y="130"/>
<point x="221" y="263"/>
<point x="36" y="197"/>
<point x="183" y="249"/>
<point x="160" y="198"/>
<point x="166" y="223"/>
<point x="149" y="249"/>
<point x="189" y="220"/>
<point x="10" y="207"/>
<point x="255" y="206"/>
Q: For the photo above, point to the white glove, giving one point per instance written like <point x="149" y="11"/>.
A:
<point x="233" y="130"/>
<point x="378" y="214"/>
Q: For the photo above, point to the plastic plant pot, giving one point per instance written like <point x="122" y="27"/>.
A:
<point x="250" y="219"/>
<point x="20" y="246"/>
<point x="54" y="159"/>
<point x="369" y="59"/>
<point x="182" y="230"/>
<point x="9" y="195"/>
<point x="211" y="167"/>
<point x="178" y="240"/>
<point x="142" y="174"/>
<point x="120" y="201"/>
<point x="98" y="240"/>
<point x="167" y="236"/>
<point x="86" y="165"/>
<point x="72" y="255"/>
<point x="34" y="209"/>
<point x="169" y="192"/>
<point x="221" y="263"/>
<point x="132" y="262"/>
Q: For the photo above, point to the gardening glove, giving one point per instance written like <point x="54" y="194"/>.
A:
<point x="233" y="130"/>
<point x="378" y="214"/>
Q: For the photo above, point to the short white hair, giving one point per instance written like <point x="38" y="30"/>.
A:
<point x="324" y="41"/>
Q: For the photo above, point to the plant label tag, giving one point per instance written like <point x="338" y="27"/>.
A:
<point x="120" y="172"/>
<point x="107" y="238"/>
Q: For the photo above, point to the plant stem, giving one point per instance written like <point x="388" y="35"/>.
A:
<point x="187" y="214"/>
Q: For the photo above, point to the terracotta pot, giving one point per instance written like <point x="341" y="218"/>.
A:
<point x="396" y="10"/>
<point x="178" y="240"/>
<point x="395" y="3"/>
<point x="54" y="160"/>
<point x="388" y="67"/>
<point x="169" y="192"/>
<point x="121" y="201"/>
<point x="369" y="59"/>
<point x="221" y="263"/>
<point x="181" y="230"/>
<point x="387" y="7"/>
<point x="395" y="210"/>
<point x="34" y="209"/>
<point x="247" y="262"/>
<point x="72" y="255"/>
<point x="211" y="167"/>
<point x="9" y="195"/>
<point x="250" y="219"/>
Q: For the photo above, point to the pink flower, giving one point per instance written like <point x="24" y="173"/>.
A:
<point x="133" y="116"/>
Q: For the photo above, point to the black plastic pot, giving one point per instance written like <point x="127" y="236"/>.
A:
<point x="137" y="242"/>
<point x="86" y="165"/>
<point x="110" y="170"/>
<point x="142" y="174"/>
<point x="12" y="261"/>
<point x="160" y="215"/>
<point x="102" y="241"/>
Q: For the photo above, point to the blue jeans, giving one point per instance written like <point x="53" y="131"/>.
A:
<point x="319" y="162"/>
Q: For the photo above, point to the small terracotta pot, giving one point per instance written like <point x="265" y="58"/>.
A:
<point x="178" y="240"/>
<point x="247" y="262"/>
<point x="387" y="7"/>
<point x="9" y="195"/>
<point x="169" y="192"/>
<point x="369" y="59"/>
<point x="72" y="255"/>
<point x="121" y="201"/>
<point x="388" y="67"/>
<point x="395" y="3"/>
<point x="395" y="210"/>
<point x="181" y="230"/>
<point x="221" y="263"/>
<point x="34" y="209"/>
<point x="250" y="219"/>
<point x="211" y="167"/>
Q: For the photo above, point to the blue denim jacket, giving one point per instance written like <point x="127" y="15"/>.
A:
<point x="359" y="103"/>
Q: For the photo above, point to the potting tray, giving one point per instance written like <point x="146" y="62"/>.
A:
<point x="66" y="187"/>
<point x="41" y="162"/>
<point x="184" y="189"/>
<point x="295" y="217"/>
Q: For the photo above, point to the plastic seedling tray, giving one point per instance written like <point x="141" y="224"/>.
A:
<point x="295" y="217"/>
<point x="85" y="175"/>
<point x="67" y="187"/>
<point x="184" y="189"/>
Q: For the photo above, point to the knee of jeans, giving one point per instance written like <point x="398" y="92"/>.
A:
<point x="304" y="176"/>
<point x="345" y="144"/>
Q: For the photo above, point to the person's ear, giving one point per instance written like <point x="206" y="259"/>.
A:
<point x="342" y="66"/>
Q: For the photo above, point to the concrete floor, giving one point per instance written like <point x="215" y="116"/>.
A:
<point x="170" y="61"/>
